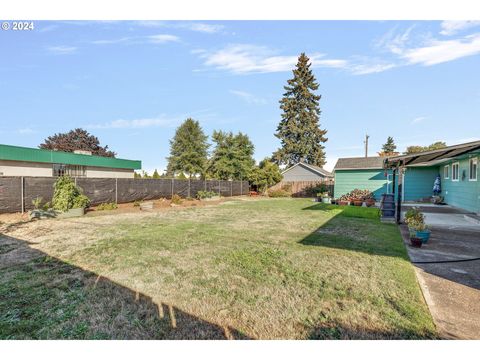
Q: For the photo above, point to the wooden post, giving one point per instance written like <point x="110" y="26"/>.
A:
<point x="172" y="187"/>
<point x="116" y="190"/>
<point x="22" y="184"/>
<point x="231" y="188"/>
<point x="393" y="181"/>
<point x="188" y="187"/>
<point x="241" y="187"/>
<point x="219" y="192"/>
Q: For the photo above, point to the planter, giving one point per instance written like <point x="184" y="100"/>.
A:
<point x="370" y="202"/>
<point x="326" y="200"/>
<point x="357" y="202"/>
<point x="72" y="213"/>
<point x="416" y="242"/>
<point x="424" y="235"/>
<point x="343" y="202"/>
<point x="42" y="214"/>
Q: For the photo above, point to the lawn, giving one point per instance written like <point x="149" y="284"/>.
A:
<point x="244" y="269"/>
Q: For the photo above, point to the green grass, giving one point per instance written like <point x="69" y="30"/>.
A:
<point x="268" y="269"/>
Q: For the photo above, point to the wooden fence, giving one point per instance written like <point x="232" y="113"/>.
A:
<point x="300" y="188"/>
<point x="17" y="193"/>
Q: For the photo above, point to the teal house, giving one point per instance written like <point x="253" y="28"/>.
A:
<point x="456" y="165"/>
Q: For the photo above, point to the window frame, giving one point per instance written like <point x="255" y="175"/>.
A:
<point x="470" y="161"/>
<point x="447" y="169"/>
<point x="456" y="164"/>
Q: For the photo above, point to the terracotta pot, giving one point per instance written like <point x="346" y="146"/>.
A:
<point x="343" y="202"/>
<point x="370" y="202"/>
<point x="358" y="202"/>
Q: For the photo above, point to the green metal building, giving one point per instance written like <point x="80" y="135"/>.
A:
<point x="23" y="161"/>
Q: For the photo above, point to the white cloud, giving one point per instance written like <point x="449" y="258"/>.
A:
<point x="440" y="51"/>
<point x="364" y="69"/>
<point x="418" y="119"/>
<point x="245" y="58"/>
<point x="62" y="50"/>
<point x="249" y="98"/>
<point x="25" y="131"/>
<point x="112" y="41"/>
<point x="163" y="38"/>
<point x="451" y="27"/>
<point x="188" y="25"/>
<point x="160" y="121"/>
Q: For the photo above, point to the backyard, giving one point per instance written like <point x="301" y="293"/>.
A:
<point x="242" y="269"/>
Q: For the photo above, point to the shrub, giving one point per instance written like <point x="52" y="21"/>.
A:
<point x="313" y="190"/>
<point x="67" y="195"/>
<point x="37" y="202"/>
<point x="176" y="199"/>
<point x="107" y="206"/>
<point x="206" y="194"/>
<point x="136" y="203"/>
<point x="414" y="218"/>
<point x="279" y="193"/>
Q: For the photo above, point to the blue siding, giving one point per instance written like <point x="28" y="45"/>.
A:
<point x="463" y="193"/>
<point x="347" y="180"/>
<point x="419" y="182"/>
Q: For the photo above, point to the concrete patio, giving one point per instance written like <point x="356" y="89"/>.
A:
<point x="448" y="270"/>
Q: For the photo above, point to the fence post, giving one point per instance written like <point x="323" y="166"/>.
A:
<point x="188" y="187"/>
<point x="241" y="186"/>
<point x="116" y="190"/>
<point x="172" y="186"/>
<point x="22" y="183"/>
<point x="219" y="192"/>
<point x="231" y="188"/>
<point x="205" y="181"/>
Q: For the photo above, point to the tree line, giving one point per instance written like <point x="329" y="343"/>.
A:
<point x="390" y="148"/>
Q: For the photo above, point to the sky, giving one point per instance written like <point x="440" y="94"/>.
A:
<point x="131" y="83"/>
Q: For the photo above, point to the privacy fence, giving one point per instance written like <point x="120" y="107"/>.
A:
<point x="301" y="188"/>
<point x="17" y="193"/>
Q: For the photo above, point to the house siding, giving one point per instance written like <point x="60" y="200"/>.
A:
<point x="302" y="173"/>
<point x="419" y="182"/>
<point x="373" y="180"/>
<point x="463" y="193"/>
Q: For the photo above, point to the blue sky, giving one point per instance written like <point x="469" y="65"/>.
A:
<point x="132" y="83"/>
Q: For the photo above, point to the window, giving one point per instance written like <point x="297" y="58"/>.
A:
<point x="446" y="172"/>
<point x="71" y="170"/>
<point x="473" y="169"/>
<point x="455" y="172"/>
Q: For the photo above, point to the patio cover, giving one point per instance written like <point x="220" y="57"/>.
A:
<point x="427" y="156"/>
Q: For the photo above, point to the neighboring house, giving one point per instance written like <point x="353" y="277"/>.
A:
<point x="457" y="166"/>
<point x="306" y="172"/>
<point x="22" y="161"/>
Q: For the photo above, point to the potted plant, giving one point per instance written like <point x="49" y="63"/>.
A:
<point x="357" y="202"/>
<point x="416" y="242"/>
<point x="68" y="198"/>
<point x="422" y="232"/>
<point x="413" y="217"/>
<point x="324" y="198"/>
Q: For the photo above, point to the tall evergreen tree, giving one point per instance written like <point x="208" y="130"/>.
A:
<point x="188" y="150"/>
<point x="232" y="158"/>
<point x="299" y="130"/>
<point x="155" y="175"/>
<point x="389" y="148"/>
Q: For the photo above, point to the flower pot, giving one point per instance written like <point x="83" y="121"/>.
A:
<point x="424" y="235"/>
<point x="370" y="202"/>
<point x="357" y="202"/>
<point x="343" y="202"/>
<point x="416" y="242"/>
<point x="326" y="200"/>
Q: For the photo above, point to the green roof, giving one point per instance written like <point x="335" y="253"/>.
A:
<point x="17" y="153"/>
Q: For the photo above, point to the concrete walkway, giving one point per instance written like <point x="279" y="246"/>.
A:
<point x="451" y="287"/>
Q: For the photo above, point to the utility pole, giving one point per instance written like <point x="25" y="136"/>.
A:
<point x="366" y="144"/>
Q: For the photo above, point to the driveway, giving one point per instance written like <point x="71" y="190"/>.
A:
<point x="448" y="270"/>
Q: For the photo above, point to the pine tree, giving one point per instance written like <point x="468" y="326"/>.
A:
<point x="188" y="150"/>
<point x="155" y="175"/>
<point x="389" y="148"/>
<point x="232" y="158"/>
<point x="299" y="130"/>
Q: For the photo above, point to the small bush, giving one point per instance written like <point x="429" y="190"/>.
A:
<point x="176" y="199"/>
<point x="313" y="190"/>
<point x="279" y="193"/>
<point x="37" y="202"/>
<point x="67" y="195"/>
<point x="206" y="194"/>
<point x="107" y="206"/>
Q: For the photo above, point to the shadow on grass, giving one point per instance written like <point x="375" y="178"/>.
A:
<point x="357" y="229"/>
<point x="45" y="298"/>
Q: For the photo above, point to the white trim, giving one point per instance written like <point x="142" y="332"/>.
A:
<point x="448" y="169"/>
<point x="470" y="168"/>
<point x="458" y="171"/>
